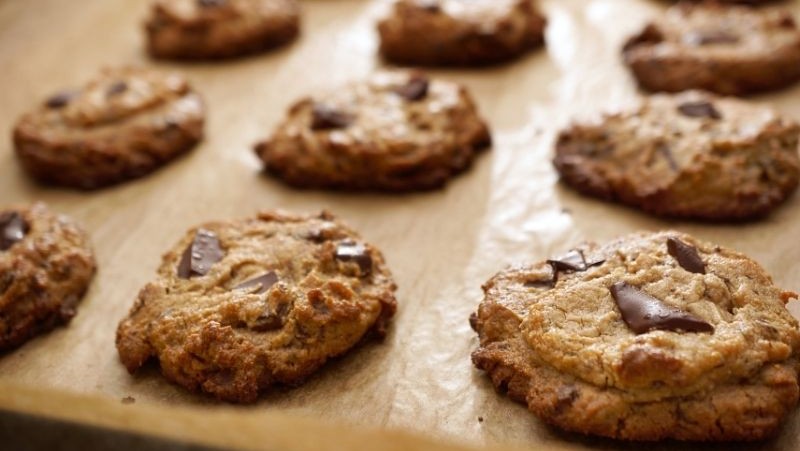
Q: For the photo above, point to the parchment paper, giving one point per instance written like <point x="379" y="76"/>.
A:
<point x="441" y="246"/>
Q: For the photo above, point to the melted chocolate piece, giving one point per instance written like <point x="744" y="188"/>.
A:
<point x="198" y="258"/>
<point x="698" y="38"/>
<point x="116" y="88"/>
<point x="686" y="255"/>
<point x="13" y="228"/>
<point x="326" y="117"/>
<point x="415" y="89"/>
<point x="356" y="252"/>
<point x="643" y="313"/>
<point x="700" y="108"/>
<point x="60" y="100"/>
<point x="573" y="260"/>
<point x="264" y="282"/>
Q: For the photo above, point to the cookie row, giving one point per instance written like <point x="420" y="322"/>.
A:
<point x="652" y="336"/>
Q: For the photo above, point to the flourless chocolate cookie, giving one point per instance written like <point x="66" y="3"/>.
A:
<point x="242" y="305"/>
<point x="653" y="336"/>
<point x="691" y="155"/>
<point x="124" y="124"/>
<point x="460" y="33"/>
<point x="391" y="132"/>
<point x="46" y="265"/>
<point x="726" y="49"/>
<point x="209" y="29"/>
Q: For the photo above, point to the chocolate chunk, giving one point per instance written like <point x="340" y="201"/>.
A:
<point x="198" y="258"/>
<point x="686" y="255"/>
<point x="574" y="260"/>
<point x="787" y="21"/>
<point x="415" y="89"/>
<point x="272" y="320"/>
<point x="700" y="108"/>
<point x="666" y="152"/>
<point x="326" y="117"/>
<point x="61" y="99"/>
<point x="698" y="38"/>
<point x="12" y="229"/>
<point x="643" y="313"/>
<point x="116" y="88"/>
<point x="210" y="3"/>
<point x="356" y="252"/>
<point x="264" y="282"/>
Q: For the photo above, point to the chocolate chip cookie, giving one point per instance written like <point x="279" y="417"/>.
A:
<point x="726" y="49"/>
<point x="460" y="33"/>
<point x="46" y="265"/>
<point x="653" y="336"/>
<point x="124" y="124"/>
<point x="242" y="305"/>
<point x="691" y="155"/>
<point x="210" y="29"/>
<point x="391" y="132"/>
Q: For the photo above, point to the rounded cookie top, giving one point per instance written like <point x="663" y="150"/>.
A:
<point x="391" y="132"/>
<point x="46" y="265"/>
<point x="123" y="124"/>
<point x="239" y="306"/>
<point x="652" y="336"/>
<point x="689" y="155"/>
<point x="459" y="33"/>
<point x="209" y="29"/>
<point x="720" y="48"/>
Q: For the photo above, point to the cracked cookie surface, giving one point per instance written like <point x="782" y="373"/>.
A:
<point x="240" y="306"/>
<point x="561" y="343"/>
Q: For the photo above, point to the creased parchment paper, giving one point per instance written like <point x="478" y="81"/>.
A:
<point x="441" y="246"/>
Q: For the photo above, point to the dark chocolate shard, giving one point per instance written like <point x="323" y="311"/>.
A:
<point x="61" y="99"/>
<point x="415" y="89"/>
<point x="700" y="108"/>
<point x="355" y="252"/>
<point x="200" y="256"/>
<point x="116" y="88"/>
<point x="572" y="261"/>
<point x="326" y="117"/>
<point x="643" y="313"/>
<point x="264" y="282"/>
<point x="698" y="38"/>
<point x="13" y="228"/>
<point x="686" y="255"/>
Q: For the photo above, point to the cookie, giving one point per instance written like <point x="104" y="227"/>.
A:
<point x="653" y="336"/>
<point x="391" y="132"/>
<point x="690" y="155"/>
<point x="726" y="49"/>
<point x="124" y="124"/>
<point x="460" y="33"/>
<point x="240" y="306"/>
<point x="46" y="265"/>
<point x="211" y="29"/>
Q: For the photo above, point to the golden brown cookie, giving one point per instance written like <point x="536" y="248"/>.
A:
<point x="460" y="33"/>
<point x="390" y="132"/>
<point x="652" y="336"/>
<point x="239" y="306"/>
<point x="210" y="29"/>
<point x="46" y="265"/>
<point x="690" y="155"/>
<point x="123" y="124"/>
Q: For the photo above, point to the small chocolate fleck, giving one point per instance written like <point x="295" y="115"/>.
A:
<point x="700" y="108"/>
<point x="643" y="313"/>
<point x="352" y="251"/>
<point x="326" y="117"/>
<point x="686" y="255"/>
<point x="128" y="400"/>
<point x="480" y="419"/>
<point x="199" y="256"/>
<point x="697" y="38"/>
<point x="12" y="229"/>
<point x="210" y="3"/>
<point x="60" y="99"/>
<point x="416" y="88"/>
<point x="666" y="152"/>
<point x="264" y="282"/>
<point x="116" y="88"/>
<point x="787" y="21"/>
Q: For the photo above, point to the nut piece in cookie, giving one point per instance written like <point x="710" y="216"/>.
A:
<point x="124" y="124"/>
<point x="690" y="155"/>
<point x="240" y="306"/>
<point x="212" y="29"/>
<point x="642" y="345"/>
<point x="390" y="132"/>
<point x="460" y="33"/>
<point x="726" y="49"/>
<point x="46" y="265"/>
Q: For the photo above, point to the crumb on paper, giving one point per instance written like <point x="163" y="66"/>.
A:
<point x="128" y="400"/>
<point x="480" y="419"/>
